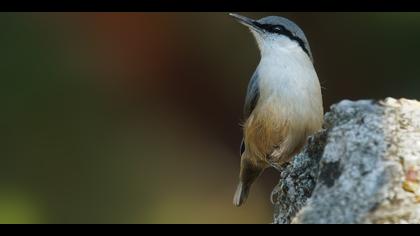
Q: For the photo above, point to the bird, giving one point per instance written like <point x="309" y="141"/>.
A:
<point x="283" y="103"/>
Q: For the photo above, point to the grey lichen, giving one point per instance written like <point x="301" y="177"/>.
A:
<point x="298" y="180"/>
<point x="364" y="167"/>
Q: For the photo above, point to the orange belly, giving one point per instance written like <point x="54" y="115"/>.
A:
<point x="271" y="139"/>
<point x="262" y="133"/>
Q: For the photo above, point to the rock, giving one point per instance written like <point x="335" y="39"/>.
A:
<point x="364" y="167"/>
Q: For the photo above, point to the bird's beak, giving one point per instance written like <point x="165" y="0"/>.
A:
<point x="246" y="21"/>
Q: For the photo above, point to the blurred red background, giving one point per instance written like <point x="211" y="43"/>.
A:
<point x="134" y="117"/>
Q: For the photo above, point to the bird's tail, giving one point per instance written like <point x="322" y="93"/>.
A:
<point x="248" y="173"/>
<point x="241" y="194"/>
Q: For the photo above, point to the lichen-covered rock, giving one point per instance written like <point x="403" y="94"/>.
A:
<point x="364" y="167"/>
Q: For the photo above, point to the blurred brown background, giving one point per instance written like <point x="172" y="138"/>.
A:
<point x="134" y="117"/>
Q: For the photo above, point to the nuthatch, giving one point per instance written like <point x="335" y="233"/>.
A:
<point x="283" y="105"/>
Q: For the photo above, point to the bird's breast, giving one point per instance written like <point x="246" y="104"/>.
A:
<point x="289" y="85"/>
<point x="289" y="107"/>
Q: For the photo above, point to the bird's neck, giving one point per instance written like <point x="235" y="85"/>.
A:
<point x="281" y="48"/>
<point x="284" y="57"/>
<point x="285" y="70"/>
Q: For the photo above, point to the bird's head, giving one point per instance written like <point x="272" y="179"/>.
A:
<point x="276" y="31"/>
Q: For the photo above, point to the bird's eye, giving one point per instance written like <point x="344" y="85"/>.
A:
<point x="278" y="28"/>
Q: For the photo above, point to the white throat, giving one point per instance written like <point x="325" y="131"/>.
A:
<point x="286" y="74"/>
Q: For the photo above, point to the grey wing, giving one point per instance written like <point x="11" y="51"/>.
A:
<point x="252" y="95"/>
<point x="242" y="148"/>
<point x="251" y="100"/>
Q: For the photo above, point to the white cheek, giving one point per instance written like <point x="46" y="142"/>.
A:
<point x="273" y="43"/>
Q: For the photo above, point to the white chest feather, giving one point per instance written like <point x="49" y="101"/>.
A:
<point x="288" y="83"/>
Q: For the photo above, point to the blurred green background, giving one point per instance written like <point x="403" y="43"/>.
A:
<point x="134" y="117"/>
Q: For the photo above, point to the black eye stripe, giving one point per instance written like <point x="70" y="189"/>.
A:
<point x="280" y="29"/>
